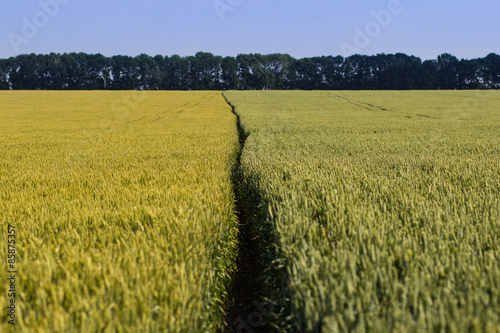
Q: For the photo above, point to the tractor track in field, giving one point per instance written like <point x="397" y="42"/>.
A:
<point x="360" y="104"/>
<point x="243" y="313"/>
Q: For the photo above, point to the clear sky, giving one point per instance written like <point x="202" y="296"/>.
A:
<point x="302" y="28"/>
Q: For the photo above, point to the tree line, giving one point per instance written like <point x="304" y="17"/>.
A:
<point x="205" y="71"/>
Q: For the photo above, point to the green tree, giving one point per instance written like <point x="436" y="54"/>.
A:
<point x="230" y="79"/>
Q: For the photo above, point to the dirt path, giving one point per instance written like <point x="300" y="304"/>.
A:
<point x="245" y="312"/>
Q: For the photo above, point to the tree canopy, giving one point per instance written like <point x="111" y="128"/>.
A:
<point x="205" y="71"/>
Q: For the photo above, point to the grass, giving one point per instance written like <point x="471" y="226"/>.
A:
<point x="124" y="209"/>
<point x="382" y="207"/>
<point x="372" y="211"/>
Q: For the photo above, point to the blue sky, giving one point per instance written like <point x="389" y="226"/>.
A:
<point x="302" y="28"/>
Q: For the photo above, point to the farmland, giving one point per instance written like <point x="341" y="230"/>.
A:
<point x="367" y="211"/>
<point x="379" y="211"/>
<point x="123" y="206"/>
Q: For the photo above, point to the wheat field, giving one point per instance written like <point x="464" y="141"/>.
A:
<point x="371" y="211"/>
<point x="377" y="211"/>
<point x="123" y="206"/>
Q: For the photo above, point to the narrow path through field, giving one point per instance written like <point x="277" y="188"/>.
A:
<point x="367" y="106"/>
<point x="244" y="313"/>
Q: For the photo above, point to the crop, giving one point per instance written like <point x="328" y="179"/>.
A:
<point x="382" y="207"/>
<point x="123" y="205"/>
